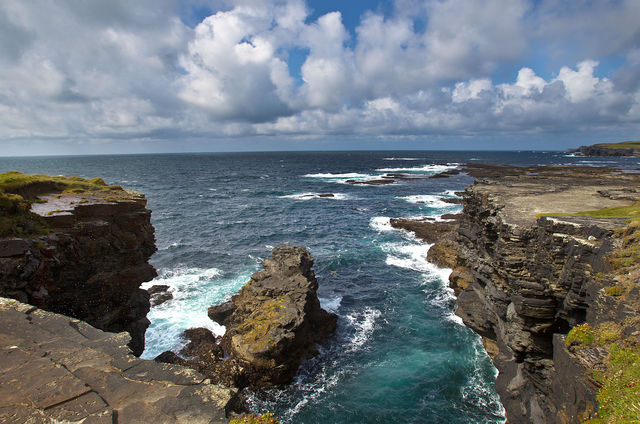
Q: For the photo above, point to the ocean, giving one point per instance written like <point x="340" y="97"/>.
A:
<point x="400" y="355"/>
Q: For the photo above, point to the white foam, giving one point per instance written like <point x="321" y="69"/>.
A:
<point x="343" y="178"/>
<point x="451" y="193"/>
<point x="381" y="224"/>
<point x="430" y="200"/>
<point x="409" y="256"/>
<point x="401" y="158"/>
<point x="432" y="169"/>
<point x="194" y="290"/>
<point x="331" y="304"/>
<point x="364" y="324"/>
<point x="307" y="196"/>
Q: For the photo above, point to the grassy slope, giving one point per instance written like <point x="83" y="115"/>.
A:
<point x="622" y="145"/>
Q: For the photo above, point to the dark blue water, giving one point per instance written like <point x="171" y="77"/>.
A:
<point x="400" y="355"/>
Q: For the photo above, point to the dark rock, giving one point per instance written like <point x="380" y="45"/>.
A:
<point x="13" y="247"/>
<point x="202" y="345"/>
<point x="429" y="231"/>
<point x="90" y="268"/>
<point x="220" y="313"/>
<point x="159" y="293"/>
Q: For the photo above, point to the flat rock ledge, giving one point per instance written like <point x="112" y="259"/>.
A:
<point x="273" y="323"/>
<point x="56" y="369"/>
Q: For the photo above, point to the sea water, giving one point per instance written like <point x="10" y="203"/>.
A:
<point x="399" y="355"/>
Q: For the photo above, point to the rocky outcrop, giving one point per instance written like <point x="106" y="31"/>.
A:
<point x="522" y="282"/>
<point x="91" y="263"/>
<point x="612" y="149"/>
<point x="272" y="324"/>
<point x="57" y="369"/>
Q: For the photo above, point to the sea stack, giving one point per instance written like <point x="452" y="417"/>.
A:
<point x="275" y="321"/>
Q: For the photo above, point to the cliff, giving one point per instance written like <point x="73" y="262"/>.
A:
<point x="524" y="281"/>
<point x="79" y="248"/>
<point x="58" y="369"/>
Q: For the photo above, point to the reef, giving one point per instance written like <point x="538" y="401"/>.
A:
<point x="79" y="248"/>
<point x="529" y="266"/>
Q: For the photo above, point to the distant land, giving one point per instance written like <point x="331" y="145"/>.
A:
<point x="625" y="148"/>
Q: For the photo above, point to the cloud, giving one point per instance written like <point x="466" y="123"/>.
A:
<point x="101" y="71"/>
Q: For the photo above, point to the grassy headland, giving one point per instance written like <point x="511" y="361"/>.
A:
<point x="18" y="191"/>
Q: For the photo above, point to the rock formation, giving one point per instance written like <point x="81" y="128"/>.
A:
<point x="272" y="324"/>
<point x="626" y="148"/>
<point x="57" y="369"/>
<point x="524" y="281"/>
<point x="91" y="263"/>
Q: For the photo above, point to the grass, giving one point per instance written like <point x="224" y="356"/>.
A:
<point x="18" y="191"/>
<point x="630" y="212"/>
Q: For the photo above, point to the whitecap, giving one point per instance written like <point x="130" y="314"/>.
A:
<point x="430" y="200"/>
<point x="432" y="169"/>
<point x="364" y="324"/>
<point x="409" y="256"/>
<point x="401" y="158"/>
<point x="381" y="224"/>
<point x="343" y="178"/>
<point x="309" y="195"/>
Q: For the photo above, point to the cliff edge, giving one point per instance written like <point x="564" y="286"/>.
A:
<point x="524" y="281"/>
<point x="77" y="247"/>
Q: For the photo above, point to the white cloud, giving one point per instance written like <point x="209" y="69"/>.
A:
<point x="103" y="70"/>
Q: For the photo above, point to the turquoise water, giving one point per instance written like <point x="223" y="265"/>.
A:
<point x="399" y="355"/>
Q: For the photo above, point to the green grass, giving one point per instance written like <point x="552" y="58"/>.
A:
<point x="18" y="191"/>
<point x="630" y="212"/>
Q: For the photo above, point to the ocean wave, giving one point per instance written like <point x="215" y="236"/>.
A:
<point x="430" y="200"/>
<point x="407" y="256"/>
<point x="364" y="324"/>
<point x="194" y="290"/>
<point x="401" y="158"/>
<point x="343" y="178"/>
<point x="307" y="196"/>
<point x="381" y="224"/>
<point x="432" y="169"/>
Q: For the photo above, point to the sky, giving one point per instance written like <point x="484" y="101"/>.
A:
<point x="120" y="76"/>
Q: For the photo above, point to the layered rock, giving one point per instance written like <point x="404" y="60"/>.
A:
<point x="91" y="263"/>
<point x="522" y="282"/>
<point x="272" y="324"/>
<point x="58" y="369"/>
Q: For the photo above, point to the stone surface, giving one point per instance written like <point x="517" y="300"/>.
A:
<point x="58" y="369"/>
<point x="272" y="324"/>
<point x="90" y="266"/>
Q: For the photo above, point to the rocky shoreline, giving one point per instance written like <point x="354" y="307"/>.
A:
<point x="523" y="281"/>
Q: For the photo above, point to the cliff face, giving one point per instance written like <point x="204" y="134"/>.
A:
<point x="523" y="282"/>
<point x="91" y="264"/>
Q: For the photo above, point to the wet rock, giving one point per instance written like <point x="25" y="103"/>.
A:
<point x="429" y="231"/>
<point x="220" y="313"/>
<point x="371" y="182"/>
<point x="159" y="293"/>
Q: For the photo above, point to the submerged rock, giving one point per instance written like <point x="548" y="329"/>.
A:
<point x="273" y="323"/>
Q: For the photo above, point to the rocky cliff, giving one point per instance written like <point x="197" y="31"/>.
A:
<point x="89" y="254"/>
<point x="627" y="148"/>
<point x="524" y="281"/>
